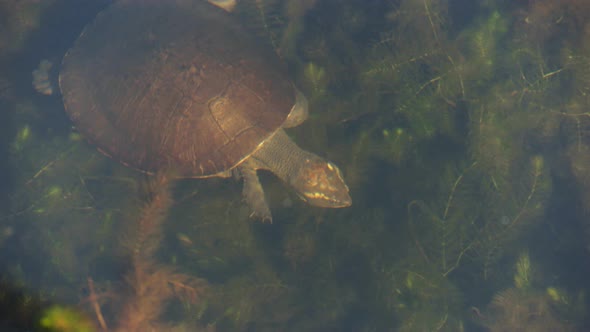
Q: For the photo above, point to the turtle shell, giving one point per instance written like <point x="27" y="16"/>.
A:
<point x="175" y="84"/>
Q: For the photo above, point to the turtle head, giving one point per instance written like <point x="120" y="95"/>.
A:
<point x="320" y="183"/>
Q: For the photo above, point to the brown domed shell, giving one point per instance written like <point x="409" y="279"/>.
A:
<point x="175" y="84"/>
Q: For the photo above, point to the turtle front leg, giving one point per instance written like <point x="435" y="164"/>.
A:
<point x="253" y="192"/>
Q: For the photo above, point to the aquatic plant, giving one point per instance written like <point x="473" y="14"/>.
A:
<point x="451" y="136"/>
<point x="420" y="298"/>
<point x="315" y="80"/>
<point x="19" y="19"/>
<point x="523" y="204"/>
<point x="278" y="22"/>
<point x="54" y="193"/>
<point x="463" y="224"/>
<point x="63" y="319"/>
<point x="264" y="17"/>
<point x="523" y="275"/>
<point x="515" y="310"/>
<point x="149" y="284"/>
<point x="6" y="90"/>
<point x="295" y="11"/>
<point x="484" y="48"/>
<point x="444" y="237"/>
<point x="525" y="307"/>
<point x="546" y="21"/>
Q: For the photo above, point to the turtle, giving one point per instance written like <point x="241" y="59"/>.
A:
<point x="181" y="86"/>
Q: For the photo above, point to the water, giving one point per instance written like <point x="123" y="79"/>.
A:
<point x="460" y="128"/>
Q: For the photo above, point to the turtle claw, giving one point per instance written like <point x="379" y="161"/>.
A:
<point x="263" y="216"/>
<point x="257" y="203"/>
<point x="253" y="193"/>
<point x="227" y="5"/>
<point x="41" y="81"/>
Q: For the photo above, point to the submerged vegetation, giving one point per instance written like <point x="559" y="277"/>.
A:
<point x="462" y="128"/>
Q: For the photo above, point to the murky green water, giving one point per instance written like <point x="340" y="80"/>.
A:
<point x="460" y="127"/>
